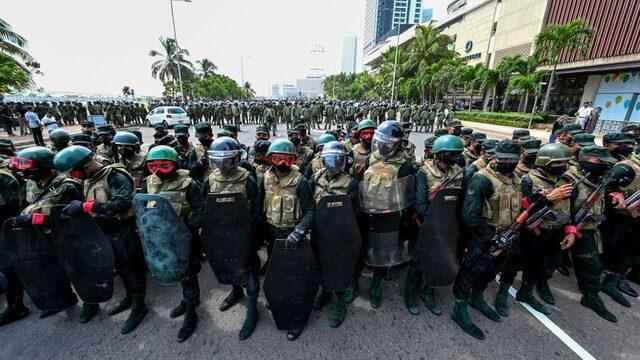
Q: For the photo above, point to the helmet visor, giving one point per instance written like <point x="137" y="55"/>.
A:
<point x="283" y="159"/>
<point x="334" y="162"/>
<point x="163" y="167"/>
<point x="17" y="163"/>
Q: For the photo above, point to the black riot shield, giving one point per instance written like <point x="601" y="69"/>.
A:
<point x="386" y="247"/>
<point x="166" y="240"/>
<point x="227" y="236"/>
<point x="87" y="258"/>
<point x="437" y="245"/>
<point x="337" y="241"/>
<point x="291" y="283"/>
<point x="7" y="250"/>
<point x="39" y="268"/>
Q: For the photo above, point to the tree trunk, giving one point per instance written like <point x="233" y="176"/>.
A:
<point x="547" y="94"/>
<point x="493" y="100"/>
<point x="470" y="99"/>
<point x="521" y="104"/>
<point x="505" y="99"/>
<point x="526" y="101"/>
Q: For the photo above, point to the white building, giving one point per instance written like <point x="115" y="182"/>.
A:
<point x="349" y="54"/>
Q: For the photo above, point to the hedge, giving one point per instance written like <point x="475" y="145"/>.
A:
<point x="518" y="120"/>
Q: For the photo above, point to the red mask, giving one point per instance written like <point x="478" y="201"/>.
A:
<point x="163" y="167"/>
<point x="283" y="159"/>
<point x="367" y="134"/>
<point x="17" y="163"/>
<point x="77" y="174"/>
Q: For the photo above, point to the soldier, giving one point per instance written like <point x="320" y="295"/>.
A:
<point x="108" y="191"/>
<point x="438" y="223"/>
<point x="228" y="178"/>
<point x="491" y="205"/>
<point x="288" y="209"/>
<point x="428" y="148"/>
<point x="315" y="164"/>
<point x="105" y="148"/>
<point x="387" y="191"/>
<point x="352" y="133"/>
<point x="407" y="145"/>
<point x="59" y="140"/>
<point x="270" y="119"/>
<point x="541" y="244"/>
<point x="473" y="149"/>
<point x="362" y="150"/>
<point x="465" y="134"/>
<point x="200" y="166"/>
<point x="46" y="193"/>
<point x="518" y="134"/>
<point x="184" y="146"/>
<point x="487" y="154"/>
<point x="304" y="154"/>
<point x="185" y="196"/>
<point x="331" y="181"/>
<point x="131" y="159"/>
<point x="530" y="149"/>
<point x="330" y="114"/>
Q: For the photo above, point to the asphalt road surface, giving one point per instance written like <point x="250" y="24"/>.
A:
<point x="388" y="332"/>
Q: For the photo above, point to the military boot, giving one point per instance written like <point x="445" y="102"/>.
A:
<point x="351" y="294"/>
<point x="411" y="285"/>
<point x="430" y="302"/>
<point x="322" y="299"/>
<point x="461" y="317"/>
<point x="236" y="294"/>
<point x="502" y="300"/>
<point x="478" y="303"/>
<point x="88" y="312"/>
<point x="544" y="292"/>
<point x="178" y="310"/>
<point x="189" y="324"/>
<point x="123" y="305"/>
<point x="610" y="287"/>
<point x="595" y="303"/>
<point x="375" y="292"/>
<point x="338" y="311"/>
<point x="525" y="295"/>
<point x="625" y="287"/>
<point x="15" y="311"/>
<point x="138" y="311"/>
<point x="251" y="319"/>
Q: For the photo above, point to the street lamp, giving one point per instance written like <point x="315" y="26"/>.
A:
<point x="175" y="37"/>
<point x="395" y="66"/>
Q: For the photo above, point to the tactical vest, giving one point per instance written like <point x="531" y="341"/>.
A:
<point x="304" y="156"/>
<point x="281" y="203"/>
<point x="503" y="207"/>
<point x="469" y="156"/>
<point x="435" y="176"/>
<point x="579" y="196"/>
<point x="410" y="151"/>
<point x="105" y="151"/>
<point x="326" y="186"/>
<point x="174" y="190"/>
<point x="634" y="163"/>
<point x="201" y="153"/>
<point x="316" y="164"/>
<point x="481" y="163"/>
<point x="236" y="183"/>
<point x="380" y="187"/>
<point x="135" y="167"/>
<point x="360" y="156"/>
<point x="43" y="200"/>
<point x="546" y="184"/>
<point x="522" y="169"/>
<point x="97" y="188"/>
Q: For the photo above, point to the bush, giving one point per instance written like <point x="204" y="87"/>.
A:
<point x="519" y="120"/>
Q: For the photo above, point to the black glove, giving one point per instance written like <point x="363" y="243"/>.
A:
<point x="296" y="236"/>
<point x="73" y="209"/>
<point x="21" y="221"/>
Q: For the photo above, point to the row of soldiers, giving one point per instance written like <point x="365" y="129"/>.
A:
<point x="470" y="209"/>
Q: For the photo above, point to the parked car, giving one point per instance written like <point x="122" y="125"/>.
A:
<point x="169" y="115"/>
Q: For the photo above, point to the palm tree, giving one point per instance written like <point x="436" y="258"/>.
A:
<point x="488" y="80"/>
<point x="206" y="67"/>
<point x="171" y="57"/>
<point x="428" y="47"/>
<point x="556" y="39"/>
<point x="13" y="45"/>
<point x="508" y="67"/>
<point x="248" y="90"/>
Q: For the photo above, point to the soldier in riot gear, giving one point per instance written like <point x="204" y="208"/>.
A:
<point x="304" y="153"/>
<point x="59" y="140"/>
<point x="316" y="162"/>
<point x="229" y="178"/>
<point x="200" y="165"/>
<point x="530" y="149"/>
<point x="105" y="148"/>
<point x="128" y="148"/>
<point x="108" y="191"/>
<point x="184" y="146"/>
<point x="428" y="148"/>
<point x="362" y="150"/>
<point x="487" y="154"/>
<point x="491" y="205"/>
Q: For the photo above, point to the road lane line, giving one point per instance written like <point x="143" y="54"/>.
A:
<point x="556" y="330"/>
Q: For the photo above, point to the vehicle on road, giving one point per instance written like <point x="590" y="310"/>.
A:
<point x="169" y="115"/>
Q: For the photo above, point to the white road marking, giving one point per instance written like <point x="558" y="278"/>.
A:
<point x="556" y="330"/>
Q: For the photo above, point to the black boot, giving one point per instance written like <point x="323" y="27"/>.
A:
<point x="430" y="302"/>
<point x="322" y="299"/>
<point x="478" y="303"/>
<point x="351" y="294"/>
<point x="625" y="287"/>
<point x="610" y="287"/>
<point x="411" y="285"/>
<point x="502" y="300"/>
<point x="189" y="324"/>
<point x="236" y="294"/>
<point x="338" y="311"/>
<point x="251" y="319"/>
<point x="138" y="311"/>
<point x="375" y="292"/>
<point x="525" y="295"/>
<point x="593" y="302"/>
<point x="88" y="312"/>
<point x="14" y="312"/>
<point x="544" y="292"/>
<point x="178" y="310"/>
<point x="122" y="306"/>
<point x="461" y="317"/>
<point x="295" y="331"/>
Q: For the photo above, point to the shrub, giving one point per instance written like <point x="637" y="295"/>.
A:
<point x="519" y="120"/>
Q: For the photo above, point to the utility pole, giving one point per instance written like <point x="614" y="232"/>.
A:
<point x="175" y="37"/>
<point x="395" y="67"/>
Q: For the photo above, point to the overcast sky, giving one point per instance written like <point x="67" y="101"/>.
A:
<point x="98" y="46"/>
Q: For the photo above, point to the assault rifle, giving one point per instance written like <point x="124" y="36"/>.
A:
<point x="539" y="216"/>
<point x="444" y="183"/>
<point x="632" y="201"/>
<point x="504" y="240"/>
<point x="584" y="212"/>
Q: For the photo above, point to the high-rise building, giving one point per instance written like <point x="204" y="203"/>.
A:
<point x="382" y="16"/>
<point x="349" y="53"/>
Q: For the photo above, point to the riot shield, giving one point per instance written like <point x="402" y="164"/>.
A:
<point x="166" y="240"/>
<point x="337" y="241"/>
<point x="437" y="246"/>
<point x="39" y="268"/>
<point x="290" y="284"/>
<point x="87" y="257"/>
<point x="227" y="236"/>
<point x="385" y="246"/>
<point x="383" y="197"/>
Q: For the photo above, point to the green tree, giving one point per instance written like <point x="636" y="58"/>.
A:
<point x="428" y="47"/>
<point x="506" y="68"/>
<point x="12" y="76"/>
<point x="249" y="93"/>
<point x="170" y="58"/>
<point x="13" y="45"/>
<point x="554" y="39"/>
<point x="206" y="67"/>
<point x="488" y="80"/>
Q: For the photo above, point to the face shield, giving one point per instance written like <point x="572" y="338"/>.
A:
<point x="386" y="145"/>
<point x="334" y="161"/>
<point x="225" y="161"/>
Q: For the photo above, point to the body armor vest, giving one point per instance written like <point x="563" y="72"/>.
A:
<point x="481" y="163"/>
<point x="634" y="163"/>
<point x="174" y="190"/>
<point x="581" y="192"/>
<point x="360" y="156"/>
<point x="435" y="176"/>
<point x="135" y="168"/>
<point x="281" y="204"/>
<point x="326" y="186"/>
<point x="97" y="188"/>
<point x="234" y="184"/>
<point x="43" y="200"/>
<point x="503" y="207"/>
<point x="546" y="184"/>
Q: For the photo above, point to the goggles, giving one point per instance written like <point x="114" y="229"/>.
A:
<point x="161" y="166"/>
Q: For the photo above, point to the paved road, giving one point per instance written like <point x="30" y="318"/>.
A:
<point x="389" y="332"/>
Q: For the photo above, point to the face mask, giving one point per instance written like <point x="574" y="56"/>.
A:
<point x="126" y="152"/>
<point x="623" y="150"/>
<point x="595" y="170"/>
<point x="556" y="170"/>
<point x="456" y="131"/>
<point x="205" y="141"/>
<point x="77" y="174"/>
<point x="283" y="168"/>
<point x="506" y="167"/>
<point x="295" y="141"/>
<point x="529" y="160"/>
<point x="161" y="167"/>
<point x="449" y="158"/>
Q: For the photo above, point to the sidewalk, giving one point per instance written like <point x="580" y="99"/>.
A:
<point x="27" y="140"/>
<point x="503" y="132"/>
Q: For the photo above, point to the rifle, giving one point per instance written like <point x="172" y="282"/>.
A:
<point x="632" y="201"/>
<point x="584" y="212"/>
<point x="444" y="183"/>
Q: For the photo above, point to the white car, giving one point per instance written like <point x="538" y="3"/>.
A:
<point x="169" y="115"/>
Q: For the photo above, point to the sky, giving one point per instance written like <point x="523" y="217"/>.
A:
<point x="99" y="46"/>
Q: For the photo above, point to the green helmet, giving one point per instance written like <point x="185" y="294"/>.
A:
<point x="325" y="138"/>
<point x="520" y="133"/>
<point x="366" y="124"/>
<point x="428" y="142"/>
<point x="125" y="138"/>
<point x="282" y="146"/>
<point x="597" y="151"/>
<point x="41" y="156"/>
<point x="440" y="132"/>
<point x="162" y="152"/>
<point x="448" y="143"/>
<point x="71" y="158"/>
<point x="550" y="153"/>
<point x="60" y="138"/>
